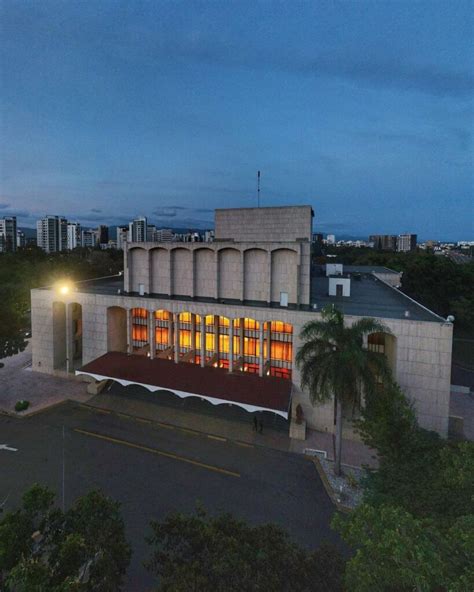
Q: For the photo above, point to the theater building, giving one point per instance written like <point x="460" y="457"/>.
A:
<point x="221" y="321"/>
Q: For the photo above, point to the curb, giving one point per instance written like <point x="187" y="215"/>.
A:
<point x="328" y="488"/>
<point x="37" y="411"/>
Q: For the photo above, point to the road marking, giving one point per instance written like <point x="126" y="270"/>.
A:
<point x="187" y="431"/>
<point x="103" y="411"/>
<point x="216" y="438"/>
<point x="141" y="420"/>
<point x="244" y="444"/>
<point x="124" y="415"/>
<point x="5" y="447"/>
<point x="158" y="452"/>
<point x="165" y="425"/>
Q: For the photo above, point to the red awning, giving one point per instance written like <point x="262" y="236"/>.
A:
<point x="216" y="385"/>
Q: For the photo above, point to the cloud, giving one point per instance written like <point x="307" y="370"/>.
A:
<point x="96" y="210"/>
<point x="371" y="71"/>
<point x="3" y="206"/>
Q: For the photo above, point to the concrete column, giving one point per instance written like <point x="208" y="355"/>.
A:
<point x="69" y="351"/>
<point x="193" y="331"/>
<point x="269" y="275"/>
<point x="242" y="275"/>
<point x="365" y="341"/>
<point x="193" y="273"/>
<point x="216" y="273"/>
<point x="129" y="331"/>
<point x="260" y="358"/>
<point x="269" y="341"/>
<point x="176" y="336"/>
<point x="231" y="345"/>
<point x="170" y="275"/>
<point x="216" y="338"/>
<point x="148" y="275"/>
<point x="203" y="341"/>
<point x="170" y="330"/>
<point x="126" y="273"/>
<point x="151" y="333"/>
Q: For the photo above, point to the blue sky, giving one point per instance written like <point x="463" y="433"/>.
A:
<point x="362" y="109"/>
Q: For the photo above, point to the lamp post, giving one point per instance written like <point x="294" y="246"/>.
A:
<point x="64" y="289"/>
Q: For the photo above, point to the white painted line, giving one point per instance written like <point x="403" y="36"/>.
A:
<point x="5" y="447"/>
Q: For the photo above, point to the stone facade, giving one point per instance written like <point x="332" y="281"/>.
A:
<point x="288" y="224"/>
<point x="266" y="252"/>
<point x="257" y="271"/>
<point x="421" y="360"/>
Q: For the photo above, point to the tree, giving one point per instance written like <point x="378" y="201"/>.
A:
<point x="198" y="553"/>
<point x="397" y="552"/>
<point x="334" y="363"/>
<point x="405" y="451"/>
<point x="44" y="549"/>
<point x="31" y="268"/>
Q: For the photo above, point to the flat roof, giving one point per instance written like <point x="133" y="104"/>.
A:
<point x="369" y="297"/>
<point x="368" y="269"/>
<point x="216" y="385"/>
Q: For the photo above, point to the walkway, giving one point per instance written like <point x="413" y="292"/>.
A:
<point x="18" y="381"/>
<point x="230" y="423"/>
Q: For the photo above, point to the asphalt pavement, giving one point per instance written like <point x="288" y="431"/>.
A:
<point x="154" y="469"/>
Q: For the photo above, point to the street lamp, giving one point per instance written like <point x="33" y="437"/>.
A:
<point x="64" y="289"/>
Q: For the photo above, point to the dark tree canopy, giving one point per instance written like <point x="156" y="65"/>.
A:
<point x="43" y="549"/>
<point x="200" y="553"/>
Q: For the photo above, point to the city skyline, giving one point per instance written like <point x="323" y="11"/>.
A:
<point x="363" y="112"/>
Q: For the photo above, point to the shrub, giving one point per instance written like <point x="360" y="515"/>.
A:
<point x="21" y="405"/>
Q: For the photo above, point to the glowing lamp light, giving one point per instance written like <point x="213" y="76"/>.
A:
<point x="64" y="290"/>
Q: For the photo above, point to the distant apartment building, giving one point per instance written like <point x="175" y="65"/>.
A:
<point x="73" y="235"/>
<point x="8" y="231"/>
<point x="137" y="230"/>
<point x="103" y="234"/>
<point x="163" y="235"/>
<point x="384" y="242"/>
<point x="209" y="236"/>
<point x="122" y="237"/>
<point x="331" y="239"/>
<point x="406" y="242"/>
<point x="20" y="239"/>
<point x="317" y="237"/>
<point x="89" y="238"/>
<point x="51" y="234"/>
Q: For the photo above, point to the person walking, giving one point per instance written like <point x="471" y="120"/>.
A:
<point x="255" y="423"/>
<point x="260" y="425"/>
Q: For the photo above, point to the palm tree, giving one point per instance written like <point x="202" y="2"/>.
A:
<point x="333" y="362"/>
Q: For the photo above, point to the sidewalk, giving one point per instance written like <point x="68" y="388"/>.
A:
<point x="18" y="381"/>
<point x="354" y="453"/>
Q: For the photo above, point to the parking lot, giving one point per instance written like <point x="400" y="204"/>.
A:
<point x="153" y="469"/>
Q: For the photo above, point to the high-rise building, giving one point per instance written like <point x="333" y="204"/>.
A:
<point x="20" y="239"/>
<point x="51" y="234"/>
<point x="150" y="233"/>
<point x="406" y="242"/>
<point x="89" y="238"/>
<point x="384" y="242"/>
<point x="137" y="230"/>
<point x="103" y="233"/>
<point x="330" y="239"/>
<point x="73" y="235"/>
<point x="122" y="236"/>
<point x="163" y="235"/>
<point x="8" y="234"/>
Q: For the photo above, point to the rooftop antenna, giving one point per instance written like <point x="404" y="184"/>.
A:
<point x="258" y="189"/>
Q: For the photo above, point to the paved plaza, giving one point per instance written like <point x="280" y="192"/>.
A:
<point x="18" y="381"/>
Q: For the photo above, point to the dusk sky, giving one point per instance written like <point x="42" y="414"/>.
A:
<point x="167" y="109"/>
